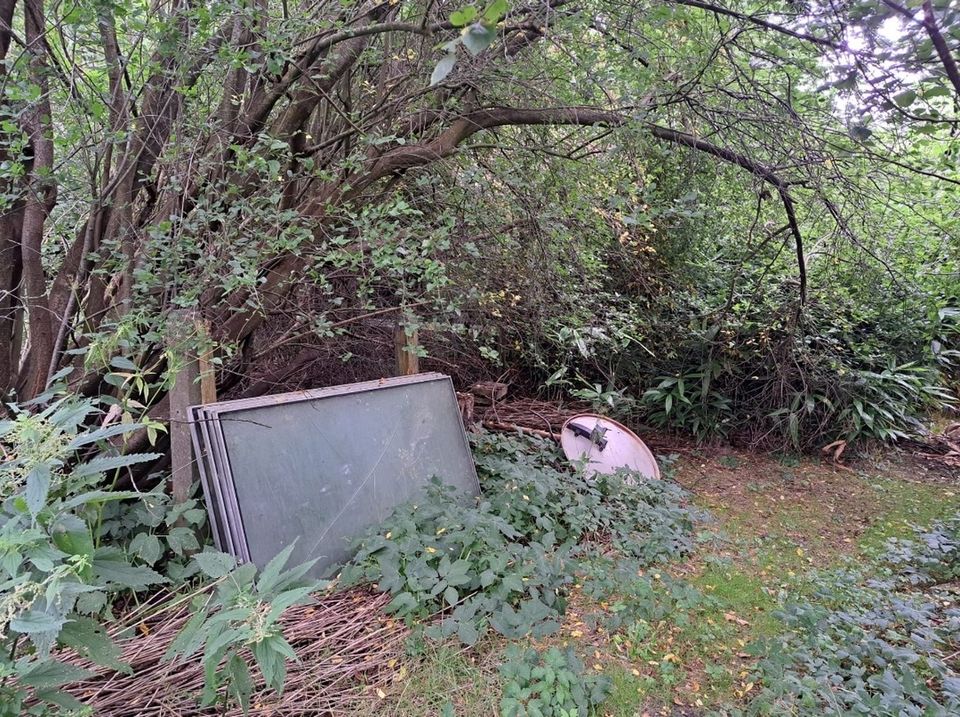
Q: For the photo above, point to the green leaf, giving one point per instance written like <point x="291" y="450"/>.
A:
<point x="478" y="37"/>
<point x="36" y="621"/>
<point x="181" y="539"/>
<point x="109" y="463"/>
<point x="905" y="98"/>
<point x="71" y="535"/>
<point x="88" y="638"/>
<point x="67" y="703"/>
<point x="495" y="11"/>
<point x="443" y="68"/>
<point x="467" y="633"/>
<point x="189" y="639"/>
<point x="271" y="573"/>
<point x="117" y="429"/>
<point x="215" y="564"/>
<point x="38" y="488"/>
<point x="147" y="547"/>
<point x="111" y="568"/>
<point x="286" y="599"/>
<point x="98" y="496"/>
<point x="463" y="16"/>
<point x="241" y="684"/>
<point x="51" y="673"/>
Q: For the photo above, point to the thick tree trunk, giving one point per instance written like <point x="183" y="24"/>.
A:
<point x="40" y="199"/>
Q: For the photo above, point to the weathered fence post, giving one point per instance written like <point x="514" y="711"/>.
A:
<point x="185" y="392"/>
<point x="408" y="362"/>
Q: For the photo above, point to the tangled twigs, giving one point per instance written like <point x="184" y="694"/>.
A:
<point x="539" y="418"/>
<point x="344" y="643"/>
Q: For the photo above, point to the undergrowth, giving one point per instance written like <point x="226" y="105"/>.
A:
<point x="877" y="640"/>
<point x="506" y="562"/>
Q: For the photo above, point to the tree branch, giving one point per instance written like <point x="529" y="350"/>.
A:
<point x="753" y="19"/>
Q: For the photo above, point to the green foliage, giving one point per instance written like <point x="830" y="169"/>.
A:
<point x="239" y="620"/>
<point x="442" y="555"/>
<point x="872" y="645"/>
<point x="548" y="684"/>
<point x="56" y="578"/>
<point x="507" y="561"/>
<point x="687" y="403"/>
<point x="890" y="403"/>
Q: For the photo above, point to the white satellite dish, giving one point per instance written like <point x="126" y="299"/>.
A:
<point x="606" y="445"/>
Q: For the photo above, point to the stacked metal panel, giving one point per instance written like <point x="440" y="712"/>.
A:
<point x="320" y="467"/>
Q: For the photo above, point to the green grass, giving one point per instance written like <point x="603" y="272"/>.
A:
<point x="628" y="694"/>
<point x="904" y="505"/>
<point x="441" y="674"/>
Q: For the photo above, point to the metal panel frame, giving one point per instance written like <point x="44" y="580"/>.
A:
<point x="199" y="448"/>
<point x="208" y="419"/>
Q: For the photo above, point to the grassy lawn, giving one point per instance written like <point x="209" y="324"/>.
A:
<point x="771" y="521"/>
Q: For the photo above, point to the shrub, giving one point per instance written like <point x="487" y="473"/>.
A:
<point x="548" y="684"/>
<point x="56" y="579"/>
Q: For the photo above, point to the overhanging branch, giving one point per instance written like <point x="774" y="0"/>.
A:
<point x="446" y="143"/>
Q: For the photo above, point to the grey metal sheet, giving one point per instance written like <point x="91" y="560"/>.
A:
<point x="207" y="477"/>
<point x="215" y="491"/>
<point x="321" y="466"/>
<point x="234" y="516"/>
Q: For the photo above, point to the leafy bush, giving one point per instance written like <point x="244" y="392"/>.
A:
<point x="548" y="684"/>
<point x="506" y="561"/>
<point x="889" y="404"/>
<point x="689" y="403"/>
<point x="873" y="646"/>
<point x="442" y="555"/>
<point x="56" y="579"/>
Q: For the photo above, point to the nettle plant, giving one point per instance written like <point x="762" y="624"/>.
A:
<point x="506" y="562"/>
<point x="548" y="684"/>
<point x="237" y="626"/>
<point x="56" y="578"/>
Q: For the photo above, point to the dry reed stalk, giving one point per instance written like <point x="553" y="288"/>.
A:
<point x="344" y="642"/>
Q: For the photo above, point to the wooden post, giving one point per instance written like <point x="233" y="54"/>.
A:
<point x="408" y="363"/>
<point x="184" y="393"/>
<point x="208" y="376"/>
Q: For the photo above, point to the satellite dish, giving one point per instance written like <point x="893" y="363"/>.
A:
<point x="607" y="446"/>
